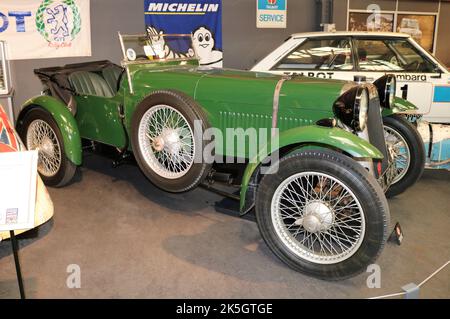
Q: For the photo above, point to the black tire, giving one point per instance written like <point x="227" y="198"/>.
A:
<point x="191" y="111"/>
<point x="417" y="153"/>
<point x="363" y="185"/>
<point x="66" y="169"/>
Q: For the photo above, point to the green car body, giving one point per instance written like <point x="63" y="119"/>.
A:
<point x="213" y="93"/>
<point x="230" y="98"/>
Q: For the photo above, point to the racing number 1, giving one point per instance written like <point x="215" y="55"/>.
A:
<point x="404" y="89"/>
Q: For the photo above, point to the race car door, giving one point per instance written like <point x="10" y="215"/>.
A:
<point x="328" y="58"/>
<point x="417" y="76"/>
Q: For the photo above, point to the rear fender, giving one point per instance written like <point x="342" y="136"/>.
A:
<point x="65" y="121"/>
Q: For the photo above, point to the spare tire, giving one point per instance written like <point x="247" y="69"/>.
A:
<point x="163" y="140"/>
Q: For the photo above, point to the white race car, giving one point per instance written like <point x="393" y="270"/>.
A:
<point x="421" y="78"/>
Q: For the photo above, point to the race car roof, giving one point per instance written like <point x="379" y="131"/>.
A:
<point x="351" y="33"/>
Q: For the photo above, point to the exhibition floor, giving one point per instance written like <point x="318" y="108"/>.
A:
<point x="132" y="240"/>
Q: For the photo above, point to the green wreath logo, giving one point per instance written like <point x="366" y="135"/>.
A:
<point x="41" y="24"/>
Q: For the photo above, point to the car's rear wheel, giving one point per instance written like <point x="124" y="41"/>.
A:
<point x="164" y="142"/>
<point x="409" y="153"/>
<point x="39" y="131"/>
<point x="322" y="214"/>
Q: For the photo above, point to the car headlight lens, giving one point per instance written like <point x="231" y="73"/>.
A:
<point x="386" y="87"/>
<point x="361" y="109"/>
<point x="352" y="108"/>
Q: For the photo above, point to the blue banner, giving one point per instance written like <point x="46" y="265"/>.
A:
<point x="202" y="19"/>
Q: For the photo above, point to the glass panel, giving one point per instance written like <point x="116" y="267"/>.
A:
<point x="391" y="55"/>
<point x="3" y="76"/>
<point x="157" y="47"/>
<point x="319" y="54"/>
<point x="419" y="27"/>
<point x="370" y="22"/>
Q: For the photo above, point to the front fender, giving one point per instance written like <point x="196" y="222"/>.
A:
<point x="400" y="106"/>
<point x="65" y="121"/>
<point x="324" y="137"/>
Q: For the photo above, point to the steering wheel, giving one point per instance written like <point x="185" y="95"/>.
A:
<point x="394" y="60"/>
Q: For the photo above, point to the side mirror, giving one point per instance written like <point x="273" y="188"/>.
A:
<point x="438" y="70"/>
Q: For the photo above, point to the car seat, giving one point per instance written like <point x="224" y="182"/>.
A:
<point x="89" y="83"/>
<point x="112" y="75"/>
<point x="362" y="54"/>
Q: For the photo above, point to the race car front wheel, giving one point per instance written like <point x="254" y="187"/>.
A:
<point x="39" y="131"/>
<point x="164" y="143"/>
<point x="322" y="214"/>
<point x="405" y="143"/>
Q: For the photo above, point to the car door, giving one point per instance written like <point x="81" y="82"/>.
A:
<point x="321" y="57"/>
<point x="417" y="76"/>
<point x="99" y="119"/>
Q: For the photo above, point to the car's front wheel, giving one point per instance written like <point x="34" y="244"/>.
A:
<point x="408" y="151"/>
<point x="164" y="143"/>
<point x="39" y="131"/>
<point x="322" y="214"/>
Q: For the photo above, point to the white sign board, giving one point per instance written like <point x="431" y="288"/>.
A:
<point x="18" y="173"/>
<point x="37" y="29"/>
<point x="271" y="13"/>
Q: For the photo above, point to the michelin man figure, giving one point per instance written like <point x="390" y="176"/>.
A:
<point x="203" y="42"/>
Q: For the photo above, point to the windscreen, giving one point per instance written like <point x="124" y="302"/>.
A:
<point x="152" y="47"/>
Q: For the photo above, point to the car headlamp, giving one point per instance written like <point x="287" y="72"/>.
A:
<point x="386" y="87"/>
<point x="361" y="108"/>
<point x="352" y="108"/>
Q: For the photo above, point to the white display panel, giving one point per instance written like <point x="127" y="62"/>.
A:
<point x="18" y="173"/>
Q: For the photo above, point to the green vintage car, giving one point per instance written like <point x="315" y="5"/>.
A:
<point x="316" y="189"/>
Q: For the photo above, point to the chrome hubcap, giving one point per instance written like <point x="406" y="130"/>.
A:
<point x="317" y="217"/>
<point x="166" y="141"/>
<point x="41" y="137"/>
<point x="399" y="150"/>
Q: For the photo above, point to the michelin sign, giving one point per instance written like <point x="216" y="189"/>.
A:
<point x="271" y="13"/>
<point x="202" y="19"/>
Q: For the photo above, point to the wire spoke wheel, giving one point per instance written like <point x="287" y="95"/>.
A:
<point x="166" y="141"/>
<point x="318" y="217"/>
<point x="40" y="136"/>
<point x="401" y="151"/>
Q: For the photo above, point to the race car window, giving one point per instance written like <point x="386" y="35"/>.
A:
<point x="412" y="59"/>
<point x="319" y="54"/>
<point x="390" y="55"/>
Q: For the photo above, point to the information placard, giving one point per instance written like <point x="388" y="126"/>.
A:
<point x="271" y="13"/>
<point x="18" y="173"/>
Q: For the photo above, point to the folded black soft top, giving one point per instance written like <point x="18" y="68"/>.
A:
<point x="93" y="66"/>
<point x="56" y="79"/>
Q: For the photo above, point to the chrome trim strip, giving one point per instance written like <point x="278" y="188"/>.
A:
<point x="276" y="103"/>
